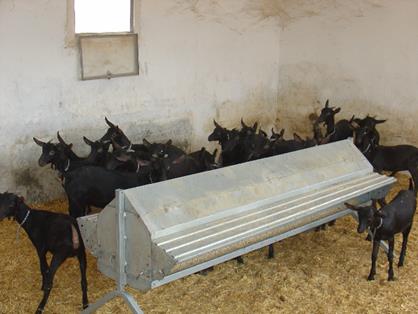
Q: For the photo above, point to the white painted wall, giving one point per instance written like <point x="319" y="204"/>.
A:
<point x="199" y="60"/>
<point x="361" y="54"/>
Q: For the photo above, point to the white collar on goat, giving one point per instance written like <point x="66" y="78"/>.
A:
<point x="21" y="224"/>
<point x="367" y="148"/>
<point x="68" y="165"/>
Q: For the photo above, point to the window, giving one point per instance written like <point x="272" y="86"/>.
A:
<point x="107" y="42"/>
<point x="103" y="16"/>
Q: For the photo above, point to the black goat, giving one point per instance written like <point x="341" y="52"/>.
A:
<point x="95" y="186"/>
<point x="277" y="136"/>
<point x="63" y="159"/>
<point x="366" y="126"/>
<point x="283" y="146"/>
<point x="393" y="218"/>
<point x="119" y="140"/>
<point x="335" y="131"/>
<point x="205" y="160"/>
<point x="49" y="232"/>
<point x="389" y="158"/>
<point x="163" y="150"/>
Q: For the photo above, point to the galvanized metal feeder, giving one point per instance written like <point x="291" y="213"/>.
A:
<point x="154" y="234"/>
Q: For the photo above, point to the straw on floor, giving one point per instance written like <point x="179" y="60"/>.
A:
<point x="314" y="272"/>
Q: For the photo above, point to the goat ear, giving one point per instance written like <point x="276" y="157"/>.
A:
<point x="255" y="126"/>
<point x="272" y="131"/>
<point x="297" y="137"/>
<point x="355" y="123"/>
<point x="40" y="143"/>
<point x="60" y="139"/>
<point x="281" y="132"/>
<point x="380" y="121"/>
<point x="243" y="124"/>
<point x="146" y="143"/>
<point x="352" y="207"/>
<point x="337" y="110"/>
<point x="215" y="152"/>
<point x="327" y="104"/>
<point x="169" y="142"/>
<point x="216" y="124"/>
<point x="263" y="133"/>
<point x="110" y="124"/>
<point x="87" y="141"/>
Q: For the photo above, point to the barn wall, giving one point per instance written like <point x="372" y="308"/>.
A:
<point x="199" y="60"/>
<point x="362" y="55"/>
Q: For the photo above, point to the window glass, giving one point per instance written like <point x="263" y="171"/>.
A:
<point x="102" y="16"/>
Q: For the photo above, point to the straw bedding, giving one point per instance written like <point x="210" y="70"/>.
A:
<point x="321" y="272"/>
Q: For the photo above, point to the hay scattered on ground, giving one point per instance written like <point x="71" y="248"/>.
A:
<point x="321" y="272"/>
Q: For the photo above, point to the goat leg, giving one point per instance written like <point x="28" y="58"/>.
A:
<point x="375" y="252"/>
<point x="56" y="261"/>
<point x="391" y="276"/>
<point x="239" y="260"/>
<point x="43" y="265"/>
<point x="271" y="251"/>
<point x="405" y="236"/>
<point x="83" y="267"/>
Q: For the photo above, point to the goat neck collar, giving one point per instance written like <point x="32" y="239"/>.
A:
<point x="22" y="223"/>
<point x="377" y="228"/>
<point x="367" y="148"/>
<point x="380" y="223"/>
<point x="25" y="218"/>
<point x="68" y="165"/>
<point x="127" y="147"/>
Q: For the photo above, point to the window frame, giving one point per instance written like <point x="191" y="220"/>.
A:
<point x="135" y="71"/>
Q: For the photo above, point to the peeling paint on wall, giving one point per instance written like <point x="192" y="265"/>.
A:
<point x="283" y="12"/>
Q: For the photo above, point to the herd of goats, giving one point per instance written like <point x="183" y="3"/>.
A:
<point x="92" y="181"/>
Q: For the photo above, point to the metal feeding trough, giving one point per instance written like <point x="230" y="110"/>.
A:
<point x="154" y="234"/>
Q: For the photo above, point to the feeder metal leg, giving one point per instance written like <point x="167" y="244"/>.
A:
<point x="120" y="262"/>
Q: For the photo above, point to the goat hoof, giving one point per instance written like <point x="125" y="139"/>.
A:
<point x="400" y="265"/>
<point x="39" y="311"/>
<point x="240" y="260"/>
<point x="270" y="257"/>
<point x="85" y="306"/>
<point x="206" y="271"/>
<point x="370" y="278"/>
<point x="391" y="278"/>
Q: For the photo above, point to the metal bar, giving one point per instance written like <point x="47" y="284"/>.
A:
<point x="120" y="262"/>
<point x="121" y="240"/>
<point x="243" y="215"/>
<point x="313" y="209"/>
<point x="99" y="303"/>
<point x="247" y="249"/>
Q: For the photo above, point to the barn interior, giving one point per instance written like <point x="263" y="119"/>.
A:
<point x="173" y="68"/>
